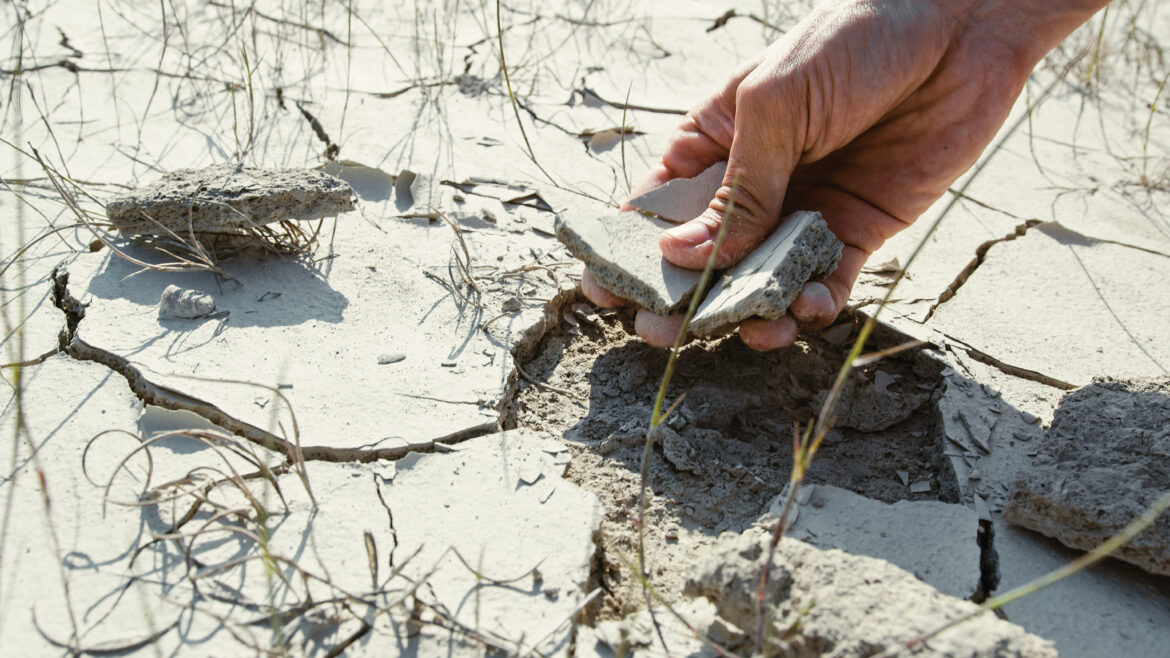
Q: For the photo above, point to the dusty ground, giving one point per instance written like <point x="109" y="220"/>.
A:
<point x="389" y="350"/>
<point x="728" y="451"/>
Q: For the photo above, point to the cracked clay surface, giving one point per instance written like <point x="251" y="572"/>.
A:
<point x="404" y="432"/>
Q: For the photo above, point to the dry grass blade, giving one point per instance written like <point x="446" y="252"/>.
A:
<point x="657" y="417"/>
<point x="512" y="97"/>
<point x="108" y="648"/>
<point x="1102" y="551"/>
<point x="874" y="357"/>
<point x="292" y="449"/>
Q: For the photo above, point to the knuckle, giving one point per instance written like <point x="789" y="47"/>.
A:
<point x="743" y="209"/>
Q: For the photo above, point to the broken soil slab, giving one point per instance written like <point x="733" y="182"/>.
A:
<point x="1105" y="301"/>
<point x="683" y="199"/>
<point x="499" y="506"/>
<point x="73" y="560"/>
<point x="824" y="602"/>
<point x="308" y="337"/>
<point x="767" y="280"/>
<point x="1104" y="461"/>
<point x="932" y="540"/>
<point x="1108" y="609"/>
<point x="228" y="198"/>
<point x="622" y="252"/>
<point x="371" y="545"/>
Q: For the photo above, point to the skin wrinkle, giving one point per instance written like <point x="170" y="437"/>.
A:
<point x="867" y="111"/>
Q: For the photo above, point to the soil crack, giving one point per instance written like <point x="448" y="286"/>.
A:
<point x="980" y="256"/>
<point x="1009" y="369"/>
<point x="168" y="398"/>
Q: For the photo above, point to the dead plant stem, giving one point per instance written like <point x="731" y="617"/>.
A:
<point x="656" y="415"/>
<point x="512" y="97"/>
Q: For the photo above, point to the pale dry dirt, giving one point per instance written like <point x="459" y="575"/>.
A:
<point x="441" y="310"/>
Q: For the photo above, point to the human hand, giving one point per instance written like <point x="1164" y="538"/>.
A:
<point x="866" y="111"/>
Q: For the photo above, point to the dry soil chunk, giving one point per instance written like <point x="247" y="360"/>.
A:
<point x="935" y="541"/>
<point x="1105" y="459"/>
<point x="765" y="282"/>
<point x="826" y="602"/>
<point x="622" y="251"/>
<point x="683" y="199"/>
<point x="228" y="198"/>
<point x="178" y="302"/>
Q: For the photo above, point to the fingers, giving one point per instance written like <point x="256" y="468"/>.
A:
<point x="598" y="295"/>
<point x="767" y="335"/>
<point x="817" y="306"/>
<point x="657" y="330"/>
<point x="766" y="144"/>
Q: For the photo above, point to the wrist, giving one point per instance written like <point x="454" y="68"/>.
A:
<point x="1030" y="28"/>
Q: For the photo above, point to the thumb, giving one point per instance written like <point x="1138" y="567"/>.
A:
<point x="765" y="147"/>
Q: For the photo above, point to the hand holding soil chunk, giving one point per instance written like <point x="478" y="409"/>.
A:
<point x="865" y="112"/>
<point x="623" y="257"/>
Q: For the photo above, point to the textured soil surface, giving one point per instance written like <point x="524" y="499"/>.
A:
<point x="727" y="447"/>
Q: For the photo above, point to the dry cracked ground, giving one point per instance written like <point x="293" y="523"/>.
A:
<point x="401" y="430"/>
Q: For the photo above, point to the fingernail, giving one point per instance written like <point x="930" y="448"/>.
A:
<point x="691" y="234"/>
<point x="814" y="301"/>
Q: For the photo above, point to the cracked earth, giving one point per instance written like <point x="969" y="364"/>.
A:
<point x="414" y="436"/>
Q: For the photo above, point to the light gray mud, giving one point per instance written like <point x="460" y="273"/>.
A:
<point x="729" y="452"/>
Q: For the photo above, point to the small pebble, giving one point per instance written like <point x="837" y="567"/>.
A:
<point x="839" y="334"/>
<point x="511" y="304"/>
<point x="392" y="357"/>
<point x="186" y="304"/>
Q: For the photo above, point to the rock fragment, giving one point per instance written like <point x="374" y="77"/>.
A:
<point x="824" y="602"/>
<point x="765" y="282"/>
<point x="1105" y="460"/>
<point x="228" y="199"/>
<point x="178" y="302"/>
<point x="622" y="252"/>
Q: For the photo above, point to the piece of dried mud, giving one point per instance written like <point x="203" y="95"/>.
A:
<point x="622" y="252"/>
<point x="1104" y="461"/>
<point x="228" y="199"/>
<point x="683" y="199"/>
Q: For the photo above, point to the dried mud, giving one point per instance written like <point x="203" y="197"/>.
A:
<point x="727" y="452"/>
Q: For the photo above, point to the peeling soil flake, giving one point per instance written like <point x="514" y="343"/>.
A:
<point x="228" y="198"/>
